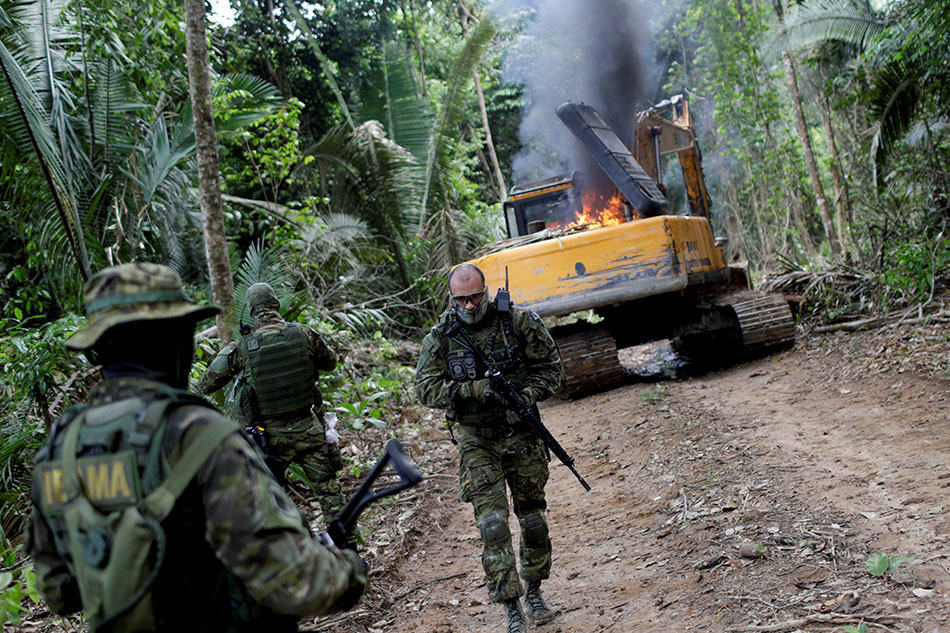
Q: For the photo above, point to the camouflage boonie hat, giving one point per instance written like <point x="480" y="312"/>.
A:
<point x="134" y="292"/>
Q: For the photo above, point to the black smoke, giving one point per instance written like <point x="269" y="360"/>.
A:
<point x="598" y="52"/>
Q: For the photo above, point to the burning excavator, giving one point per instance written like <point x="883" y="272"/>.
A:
<point x="647" y="273"/>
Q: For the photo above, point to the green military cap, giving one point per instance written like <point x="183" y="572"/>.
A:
<point x="134" y="292"/>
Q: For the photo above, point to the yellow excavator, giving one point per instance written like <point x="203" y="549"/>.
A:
<point x="647" y="273"/>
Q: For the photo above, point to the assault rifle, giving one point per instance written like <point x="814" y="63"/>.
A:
<point x="507" y="390"/>
<point x="409" y="476"/>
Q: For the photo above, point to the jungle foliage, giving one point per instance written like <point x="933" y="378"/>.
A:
<point x="355" y="165"/>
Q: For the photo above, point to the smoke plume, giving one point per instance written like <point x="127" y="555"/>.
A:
<point x="598" y="52"/>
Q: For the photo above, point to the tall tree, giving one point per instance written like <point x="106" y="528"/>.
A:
<point x="791" y="75"/>
<point x="209" y="178"/>
<point x="489" y="143"/>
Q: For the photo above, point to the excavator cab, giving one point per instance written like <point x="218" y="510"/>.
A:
<point x="540" y="205"/>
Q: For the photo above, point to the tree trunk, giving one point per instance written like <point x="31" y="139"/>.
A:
<point x="842" y="198"/>
<point x="209" y="178"/>
<point x="419" y="49"/>
<point x="810" y="162"/>
<point x="484" y="163"/>
<point x="496" y="168"/>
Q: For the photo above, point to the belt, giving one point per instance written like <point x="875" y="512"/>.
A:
<point x="488" y="432"/>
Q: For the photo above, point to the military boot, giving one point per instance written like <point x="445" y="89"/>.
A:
<point x="516" y="623"/>
<point x="540" y="613"/>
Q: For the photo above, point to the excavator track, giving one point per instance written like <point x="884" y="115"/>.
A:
<point x="590" y="363"/>
<point x="765" y="321"/>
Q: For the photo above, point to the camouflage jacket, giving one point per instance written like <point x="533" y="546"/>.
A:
<point x="537" y="370"/>
<point x="230" y="362"/>
<point x="233" y="516"/>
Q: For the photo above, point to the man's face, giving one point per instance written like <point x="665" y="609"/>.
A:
<point x="467" y="292"/>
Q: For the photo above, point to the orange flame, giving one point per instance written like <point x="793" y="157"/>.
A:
<point x="598" y="210"/>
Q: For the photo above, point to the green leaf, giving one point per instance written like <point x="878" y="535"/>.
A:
<point x="896" y="562"/>
<point x="31" y="589"/>
<point x="5" y="579"/>
<point x="878" y="564"/>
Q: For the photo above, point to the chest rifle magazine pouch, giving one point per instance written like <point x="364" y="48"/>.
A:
<point x="461" y="364"/>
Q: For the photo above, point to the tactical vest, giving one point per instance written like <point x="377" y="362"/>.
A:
<point x="504" y="346"/>
<point x="278" y="372"/>
<point x="106" y="507"/>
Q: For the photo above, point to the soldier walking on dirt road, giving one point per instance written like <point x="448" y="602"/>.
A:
<point x="151" y="510"/>
<point x="276" y="367"/>
<point x="495" y="446"/>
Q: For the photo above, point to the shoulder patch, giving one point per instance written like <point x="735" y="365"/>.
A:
<point x="534" y="316"/>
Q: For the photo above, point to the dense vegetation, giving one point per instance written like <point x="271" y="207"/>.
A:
<point x="366" y="145"/>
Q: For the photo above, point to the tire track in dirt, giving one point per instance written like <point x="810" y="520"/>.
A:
<point x="782" y="452"/>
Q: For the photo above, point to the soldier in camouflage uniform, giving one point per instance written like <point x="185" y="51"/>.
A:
<point x="282" y="376"/>
<point x="151" y="510"/>
<point x="495" y="447"/>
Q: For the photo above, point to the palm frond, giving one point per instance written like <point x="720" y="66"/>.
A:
<point x="42" y="51"/>
<point x="249" y="99"/>
<point x="262" y="265"/>
<point x="444" y="136"/>
<point x="334" y="240"/>
<point x="28" y="125"/>
<point x="894" y="100"/>
<point x="156" y="156"/>
<point x="392" y="99"/>
<point x="922" y="132"/>
<point x="114" y="100"/>
<point x="815" y="21"/>
<point x="359" y="319"/>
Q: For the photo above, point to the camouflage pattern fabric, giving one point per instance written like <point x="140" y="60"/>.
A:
<point x="233" y="516"/>
<point x="485" y="467"/>
<point x="538" y="372"/>
<point x="297" y="440"/>
<point x="133" y="292"/>
<point x="508" y="455"/>
<point x="305" y="443"/>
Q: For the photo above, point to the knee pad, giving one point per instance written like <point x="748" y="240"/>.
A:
<point x="534" y="528"/>
<point x="494" y="528"/>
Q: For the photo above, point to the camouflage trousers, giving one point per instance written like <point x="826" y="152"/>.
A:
<point x="304" y="442"/>
<point x="485" y="467"/>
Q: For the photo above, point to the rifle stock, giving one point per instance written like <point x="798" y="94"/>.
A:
<point x="409" y="476"/>
<point x="500" y="383"/>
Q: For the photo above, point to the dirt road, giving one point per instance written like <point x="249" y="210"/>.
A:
<point x="810" y="461"/>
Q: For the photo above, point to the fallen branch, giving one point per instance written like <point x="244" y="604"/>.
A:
<point x="825" y="618"/>
<point x="882" y="321"/>
<point x="79" y="374"/>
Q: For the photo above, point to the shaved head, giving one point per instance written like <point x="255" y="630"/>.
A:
<point x="466" y="276"/>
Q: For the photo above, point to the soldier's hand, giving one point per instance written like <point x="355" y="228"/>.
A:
<point x="352" y="596"/>
<point x="487" y="394"/>
<point x="473" y="389"/>
<point x="470" y="388"/>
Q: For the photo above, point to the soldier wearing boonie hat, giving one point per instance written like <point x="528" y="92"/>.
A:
<point x="151" y="510"/>
<point x="134" y="292"/>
